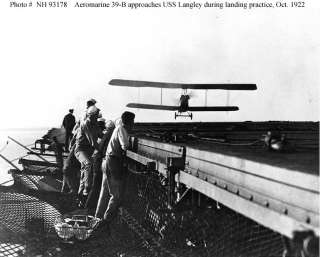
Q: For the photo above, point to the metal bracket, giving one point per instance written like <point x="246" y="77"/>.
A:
<point x="174" y="165"/>
<point x="147" y="162"/>
<point x="176" y="162"/>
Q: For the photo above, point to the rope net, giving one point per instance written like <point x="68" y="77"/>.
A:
<point x="27" y="228"/>
<point x="146" y="226"/>
<point x="197" y="226"/>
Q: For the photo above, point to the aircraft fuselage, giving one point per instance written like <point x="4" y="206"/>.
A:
<point x="184" y="103"/>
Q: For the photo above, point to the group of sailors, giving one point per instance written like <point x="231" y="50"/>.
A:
<point x="96" y="148"/>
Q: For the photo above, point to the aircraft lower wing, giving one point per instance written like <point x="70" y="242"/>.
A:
<point x="153" y="106"/>
<point x="213" y="108"/>
<point x="139" y="83"/>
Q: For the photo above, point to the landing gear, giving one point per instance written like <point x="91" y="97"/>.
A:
<point x="178" y="114"/>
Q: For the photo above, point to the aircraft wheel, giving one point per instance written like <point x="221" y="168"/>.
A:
<point x="175" y="115"/>
<point x="191" y="116"/>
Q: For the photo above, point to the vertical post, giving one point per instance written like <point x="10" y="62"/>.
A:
<point x="171" y="171"/>
<point x="174" y="164"/>
<point x="161" y="97"/>
<point x="42" y="148"/>
<point x="199" y="199"/>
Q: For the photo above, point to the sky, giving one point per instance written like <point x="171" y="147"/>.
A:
<point x="52" y="60"/>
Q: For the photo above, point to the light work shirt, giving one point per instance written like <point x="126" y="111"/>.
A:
<point x="87" y="135"/>
<point x="119" y="141"/>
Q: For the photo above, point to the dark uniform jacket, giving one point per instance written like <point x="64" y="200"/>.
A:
<point x="68" y="122"/>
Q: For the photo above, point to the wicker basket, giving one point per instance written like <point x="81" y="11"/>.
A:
<point x="78" y="226"/>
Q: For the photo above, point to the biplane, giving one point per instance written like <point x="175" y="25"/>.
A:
<point x="183" y="109"/>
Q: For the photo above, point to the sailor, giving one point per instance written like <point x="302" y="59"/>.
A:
<point x="90" y="102"/>
<point x="97" y="157"/>
<point x="86" y="142"/>
<point x="113" y="171"/>
<point x="69" y="121"/>
<point x="72" y="165"/>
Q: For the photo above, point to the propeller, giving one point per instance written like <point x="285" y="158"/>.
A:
<point x="176" y="99"/>
<point x="192" y="94"/>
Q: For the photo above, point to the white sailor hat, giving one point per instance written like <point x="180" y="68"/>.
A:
<point x="110" y="124"/>
<point x="92" y="110"/>
<point x="101" y="119"/>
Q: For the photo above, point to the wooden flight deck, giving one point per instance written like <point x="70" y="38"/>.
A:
<point x="279" y="190"/>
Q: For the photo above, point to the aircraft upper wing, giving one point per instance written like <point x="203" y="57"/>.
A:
<point x="153" y="106"/>
<point x="138" y="83"/>
<point x="213" y="108"/>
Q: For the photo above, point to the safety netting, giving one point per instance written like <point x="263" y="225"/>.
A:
<point x="198" y="226"/>
<point x="27" y="218"/>
<point x="146" y="226"/>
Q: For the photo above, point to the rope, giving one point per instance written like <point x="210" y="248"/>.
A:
<point x="225" y="143"/>
<point x="23" y="146"/>
<point x="3" y="183"/>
